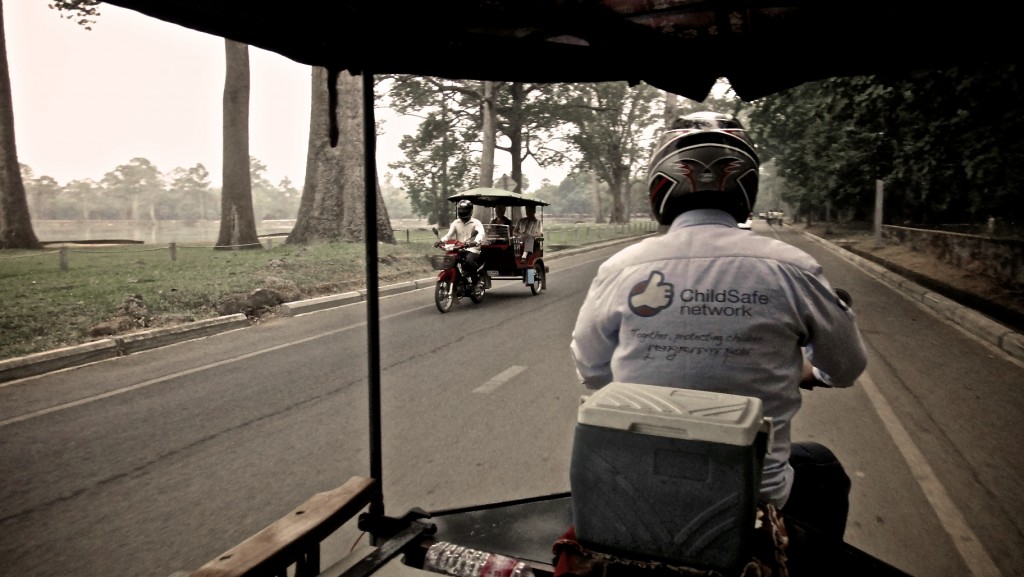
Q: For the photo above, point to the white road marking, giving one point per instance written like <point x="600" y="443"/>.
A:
<point x="500" y="379"/>
<point x="967" y="544"/>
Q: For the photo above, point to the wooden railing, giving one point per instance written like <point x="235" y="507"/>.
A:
<point x="294" y="540"/>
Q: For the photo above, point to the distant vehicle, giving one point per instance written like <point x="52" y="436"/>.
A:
<point x="775" y="217"/>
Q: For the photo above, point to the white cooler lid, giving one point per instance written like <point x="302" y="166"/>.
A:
<point x="673" y="412"/>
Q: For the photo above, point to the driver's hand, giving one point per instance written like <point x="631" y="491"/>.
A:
<point x="808" y="372"/>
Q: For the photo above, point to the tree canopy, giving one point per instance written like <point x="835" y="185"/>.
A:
<point x="945" y="143"/>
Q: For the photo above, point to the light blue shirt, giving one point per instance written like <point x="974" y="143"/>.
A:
<point x="711" y="306"/>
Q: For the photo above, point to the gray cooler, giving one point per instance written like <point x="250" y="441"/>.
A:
<point x="668" y="473"/>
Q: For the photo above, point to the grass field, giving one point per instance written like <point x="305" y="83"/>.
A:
<point x="54" y="297"/>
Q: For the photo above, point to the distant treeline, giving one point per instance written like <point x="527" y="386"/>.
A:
<point x="138" y="191"/>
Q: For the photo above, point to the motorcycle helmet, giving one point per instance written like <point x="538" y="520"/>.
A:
<point x="706" y="160"/>
<point x="464" y="209"/>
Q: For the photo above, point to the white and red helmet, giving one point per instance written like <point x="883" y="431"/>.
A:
<point x="706" y="160"/>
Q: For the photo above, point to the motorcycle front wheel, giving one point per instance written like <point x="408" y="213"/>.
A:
<point x="444" y="295"/>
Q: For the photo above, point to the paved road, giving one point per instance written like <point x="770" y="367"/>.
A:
<point x="158" y="461"/>
<point x="946" y="401"/>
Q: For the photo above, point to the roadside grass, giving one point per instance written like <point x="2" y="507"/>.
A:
<point x="47" y="308"/>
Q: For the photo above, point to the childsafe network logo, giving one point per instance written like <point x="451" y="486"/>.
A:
<point x="650" y="297"/>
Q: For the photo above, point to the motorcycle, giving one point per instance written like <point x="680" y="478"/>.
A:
<point x="453" y="281"/>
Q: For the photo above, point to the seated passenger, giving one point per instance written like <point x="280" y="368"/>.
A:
<point x="500" y="218"/>
<point x="527" y="229"/>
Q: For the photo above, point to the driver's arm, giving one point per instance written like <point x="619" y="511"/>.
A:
<point x="594" y="338"/>
<point x="450" y="233"/>
<point x="835" y="354"/>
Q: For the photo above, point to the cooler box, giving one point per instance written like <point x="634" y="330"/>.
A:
<point x="668" y="473"/>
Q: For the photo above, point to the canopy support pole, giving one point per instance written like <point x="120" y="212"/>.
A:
<point x="372" y="292"/>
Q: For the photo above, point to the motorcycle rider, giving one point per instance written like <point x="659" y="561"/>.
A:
<point x="467" y="229"/>
<point x="709" y="306"/>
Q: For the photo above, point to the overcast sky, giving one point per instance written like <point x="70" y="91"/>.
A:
<point x="86" y="101"/>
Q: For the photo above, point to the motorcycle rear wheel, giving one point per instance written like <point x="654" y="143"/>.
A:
<point x="444" y="295"/>
<point x="476" y="292"/>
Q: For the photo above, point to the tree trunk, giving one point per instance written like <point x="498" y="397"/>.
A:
<point x="487" y="136"/>
<point x="15" y="222"/>
<point x="237" y="223"/>
<point x="333" y="204"/>
<point x="598" y="206"/>
<point x="671" y="109"/>
<point x="487" y="144"/>
<point x="515" y="134"/>
<point x="134" y="216"/>
<point x="618" y="187"/>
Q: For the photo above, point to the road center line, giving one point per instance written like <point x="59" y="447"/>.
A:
<point x="500" y="379"/>
<point x="967" y="544"/>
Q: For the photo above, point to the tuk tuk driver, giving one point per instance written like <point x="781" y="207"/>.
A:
<point x="709" y="306"/>
<point x="470" y="231"/>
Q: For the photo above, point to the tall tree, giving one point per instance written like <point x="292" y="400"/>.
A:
<point x="488" y="133"/>
<point x="15" y="221"/>
<point x="946" y="143"/>
<point x="571" y="197"/>
<point x="516" y="118"/>
<point x="512" y="127"/>
<point x="133" y="183"/>
<point x="270" y="201"/>
<point x="237" y="223"/>
<point x="825" y="139"/>
<point x="467" y="111"/>
<point x="440" y="158"/>
<point x="333" y="196"/>
<point x="82" y="193"/>
<point x="42" y="196"/>
<point x="193" y="185"/>
<point x="612" y="123"/>
<point x="530" y="117"/>
<point x="437" y="165"/>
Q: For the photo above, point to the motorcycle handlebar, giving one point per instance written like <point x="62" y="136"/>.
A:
<point x="844" y="296"/>
<point x="455" y="244"/>
<point x="810" y="384"/>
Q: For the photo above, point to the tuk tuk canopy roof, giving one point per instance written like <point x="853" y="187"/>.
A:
<point x="496" y="197"/>
<point x="680" y="46"/>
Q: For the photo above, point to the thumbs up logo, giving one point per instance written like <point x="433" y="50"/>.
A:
<point x="651" y="296"/>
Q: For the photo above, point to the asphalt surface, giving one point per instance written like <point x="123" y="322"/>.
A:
<point x="1001" y="337"/>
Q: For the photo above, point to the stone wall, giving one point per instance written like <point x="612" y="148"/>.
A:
<point x="999" y="258"/>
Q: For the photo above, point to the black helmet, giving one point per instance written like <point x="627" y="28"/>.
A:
<point x="706" y="160"/>
<point x="464" y="209"/>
